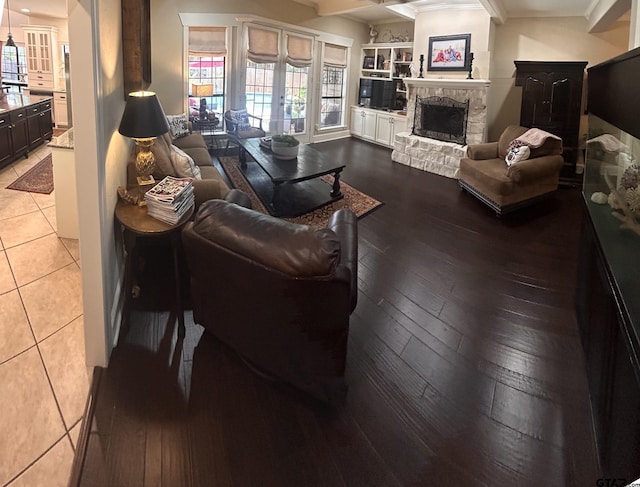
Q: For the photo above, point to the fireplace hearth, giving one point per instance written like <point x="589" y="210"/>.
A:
<point x="441" y="118"/>
<point x="441" y="155"/>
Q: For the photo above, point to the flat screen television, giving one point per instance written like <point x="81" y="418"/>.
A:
<point x="377" y="93"/>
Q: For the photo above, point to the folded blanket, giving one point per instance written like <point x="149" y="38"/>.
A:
<point x="609" y="143"/>
<point x="536" y="137"/>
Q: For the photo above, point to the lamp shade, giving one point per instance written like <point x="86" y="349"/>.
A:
<point x="143" y="116"/>
<point x="202" y="90"/>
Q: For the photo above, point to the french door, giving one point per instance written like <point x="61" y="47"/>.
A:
<point x="277" y="80"/>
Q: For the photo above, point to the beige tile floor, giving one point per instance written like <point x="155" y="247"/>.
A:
<point x="43" y="377"/>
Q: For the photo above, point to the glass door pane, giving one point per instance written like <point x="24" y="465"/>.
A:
<point x="259" y="91"/>
<point x="295" y="100"/>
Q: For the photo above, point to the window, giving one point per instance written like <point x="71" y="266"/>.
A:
<point x="334" y="66"/>
<point x="14" y="65"/>
<point x="206" y="81"/>
<point x="332" y="107"/>
<point x="207" y="71"/>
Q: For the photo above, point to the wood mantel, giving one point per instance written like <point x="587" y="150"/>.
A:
<point x="447" y="82"/>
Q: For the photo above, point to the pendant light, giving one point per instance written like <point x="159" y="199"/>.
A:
<point x="10" y="41"/>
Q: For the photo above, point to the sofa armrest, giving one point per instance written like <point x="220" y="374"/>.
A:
<point x="536" y="168"/>
<point x="239" y="198"/>
<point x="484" y="151"/>
<point x="208" y="189"/>
<point x="344" y="224"/>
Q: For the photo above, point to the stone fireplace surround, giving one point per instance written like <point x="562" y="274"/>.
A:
<point x="434" y="155"/>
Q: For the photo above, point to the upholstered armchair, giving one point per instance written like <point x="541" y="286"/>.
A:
<point x="278" y="293"/>
<point x="241" y="125"/>
<point x="485" y="174"/>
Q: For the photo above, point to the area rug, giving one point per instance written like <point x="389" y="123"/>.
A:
<point x="358" y="202"/>
<point x="38" y="179"/>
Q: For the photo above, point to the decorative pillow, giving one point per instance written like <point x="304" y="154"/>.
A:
<point x="178" y="125"/>
<point x="240" y="117"/>
<point x="161" y="148"/>
<point x="183" y="165"/>
<point x="518" y="151"/>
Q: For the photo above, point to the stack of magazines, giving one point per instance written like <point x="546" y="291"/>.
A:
<point x="170" y="199"/>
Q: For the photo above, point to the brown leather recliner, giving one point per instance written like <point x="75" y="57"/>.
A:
<point x="484" y="172"/>
<point x="278" y="293"/>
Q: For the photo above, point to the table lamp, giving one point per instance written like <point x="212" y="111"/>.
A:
<point x="201" y="91"/>
<point x="143" y="120"/>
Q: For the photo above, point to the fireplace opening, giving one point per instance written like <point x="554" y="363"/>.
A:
<point x="441" y="118"/>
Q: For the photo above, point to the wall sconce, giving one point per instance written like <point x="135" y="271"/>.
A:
<point x="143" y="120"/>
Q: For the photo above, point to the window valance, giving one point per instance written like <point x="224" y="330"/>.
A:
<point x="298" y="51"/>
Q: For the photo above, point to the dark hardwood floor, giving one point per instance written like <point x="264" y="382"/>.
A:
<point x="464" y="365"/>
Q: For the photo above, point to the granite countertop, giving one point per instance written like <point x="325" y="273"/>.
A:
<point x="12" y="101"/>
<point x="64" y="141"/>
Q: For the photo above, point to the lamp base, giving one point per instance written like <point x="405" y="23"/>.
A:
<point x="145" y="161"/>
<point x="145" y="180"/>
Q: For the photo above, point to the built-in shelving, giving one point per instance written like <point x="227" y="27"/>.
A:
<point x="389" y="60"/>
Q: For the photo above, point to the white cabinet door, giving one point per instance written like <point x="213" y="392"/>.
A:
<point x="369" y="125"/>
<point x="384" y="128"/>
<point x="356" y="121"/>
<point x="61" y="117"/>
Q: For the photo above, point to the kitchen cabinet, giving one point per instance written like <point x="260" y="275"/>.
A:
<point x="25" y="123"/>
<point x="43" y="58"/>
<point x="60" y="114"/>
<point x="40" y="122"/>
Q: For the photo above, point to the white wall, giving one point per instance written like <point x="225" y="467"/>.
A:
<point x="101" y="156"/>
<point x="542" y="39"/>
<point x="449" y="21"/>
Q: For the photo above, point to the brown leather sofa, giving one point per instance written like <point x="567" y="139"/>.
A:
<point x="278" y="293"/>
<point x="484" y="172"/>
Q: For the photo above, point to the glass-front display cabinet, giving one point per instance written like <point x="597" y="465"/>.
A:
<point x="608" y="280"/>
<point x="612" y="195"/>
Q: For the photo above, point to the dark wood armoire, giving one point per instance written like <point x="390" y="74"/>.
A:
<point x="551" y="101"/>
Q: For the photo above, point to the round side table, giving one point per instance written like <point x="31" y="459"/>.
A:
<point x="136" y="223"/>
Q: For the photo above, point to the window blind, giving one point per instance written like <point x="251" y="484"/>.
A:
<point x="263" y="45"/>
<point x="207" y="41"/>
<point x="298" y="51"/>
<point x="335" y="56"/>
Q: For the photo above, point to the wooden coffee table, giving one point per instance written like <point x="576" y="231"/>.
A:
<point x="290" y="187"/>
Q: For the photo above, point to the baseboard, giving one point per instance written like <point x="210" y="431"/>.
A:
<point x="85" y="429"/>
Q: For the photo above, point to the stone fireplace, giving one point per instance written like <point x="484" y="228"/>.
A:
<point x="458" y="101"/>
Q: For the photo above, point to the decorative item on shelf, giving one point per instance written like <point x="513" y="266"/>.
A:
<point x="202" y="91"/>
<point x="421" y="66"/>
<point x="373" y="33"/>
<point x="143" y="120"/>
<point x="470" y="76"/>
<point x="129" y="197"/>
<point x="284" y="146"/>
<point x="626" y="198"/>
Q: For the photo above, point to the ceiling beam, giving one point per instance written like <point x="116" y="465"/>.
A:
<point x="496" y="10"/>
<point x="337" y="7"/>
<point x="605" y="13"/>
